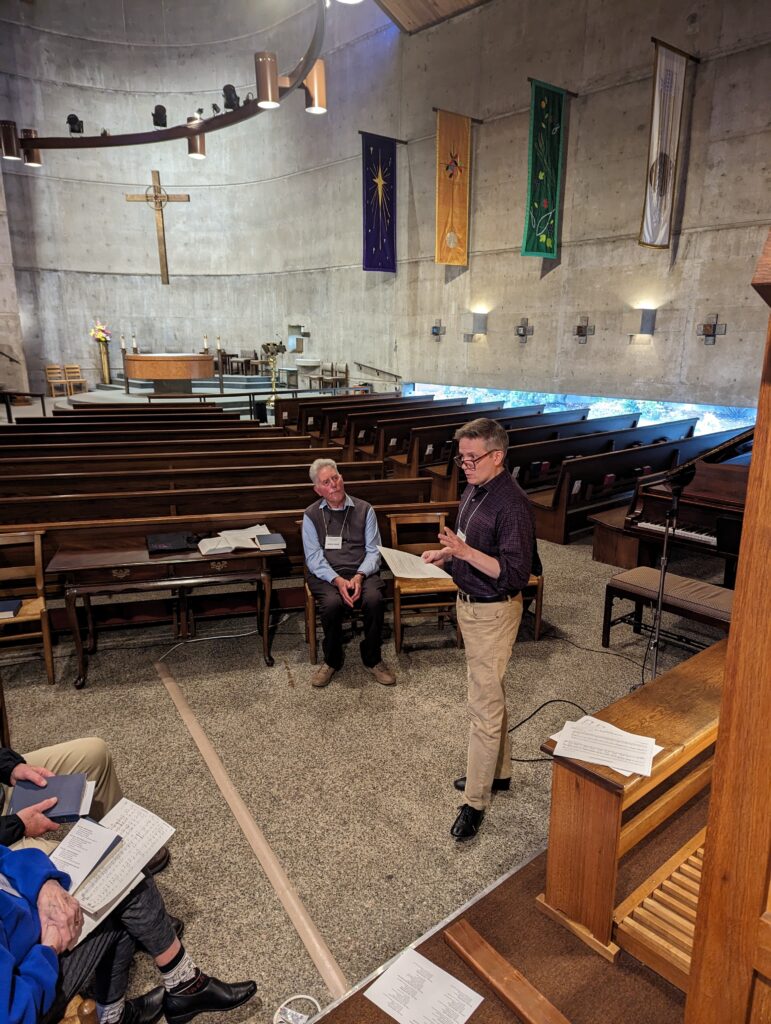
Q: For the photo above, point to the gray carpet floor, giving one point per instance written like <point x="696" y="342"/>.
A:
<point x="352" y="784"/>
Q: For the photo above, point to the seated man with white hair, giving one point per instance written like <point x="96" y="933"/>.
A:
<point x="340" y="539"/>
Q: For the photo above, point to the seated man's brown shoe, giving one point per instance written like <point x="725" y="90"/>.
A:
<point x="322" y="675"/>
<point x="382" y="673"/>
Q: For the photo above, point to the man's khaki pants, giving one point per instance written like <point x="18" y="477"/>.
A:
<point x="489" y="631"/>
<point x="89" y="755"/>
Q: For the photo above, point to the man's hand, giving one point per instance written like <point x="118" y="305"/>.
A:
<point x="31" y="773"/>
<point x="347" y="589"/>
<point x="453" y="546"/>
<point x="34" y="819"/>
<point x="436" y="557"/>
<point x="356" y="582"/>
<point x="61" y="917"/>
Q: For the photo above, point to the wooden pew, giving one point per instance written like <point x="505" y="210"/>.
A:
<point x="213" y="475"/>
<point x="392" y="434"/>
<point x="11" y="435"/>
<point x="589" y="484"/>
<point x="136" y="463"/>
<point x="287" y="410"/>
<point x="359" y="426"/>
<point x="90" y="422"/>
<point x="166" y="447"/>
<point x="123" y="407"/>
<point x="310" y="408"/>
<point x="536" y="465"/>
<point x="445" y="473"/>
<point x="101" y="506"/>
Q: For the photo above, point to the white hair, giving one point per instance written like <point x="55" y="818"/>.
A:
<point x="318" y="464"/>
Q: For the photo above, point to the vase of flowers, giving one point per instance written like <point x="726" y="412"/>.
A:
<point x="102" y="335"/>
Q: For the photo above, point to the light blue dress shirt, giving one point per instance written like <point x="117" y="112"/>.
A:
<point x="314" y="552"/>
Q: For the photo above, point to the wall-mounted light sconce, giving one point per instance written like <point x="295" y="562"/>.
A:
<point x="474" y="323"/>
<point x="196" y="144"/>
<point x="159" y="116"/>
<point x="583" y="330"/>
<point x="32" y="157"/>
<point x="710" y="329"/>
<point x="647" y="321"/>
<point x="524" y="330"/>
<point x="315" y="86"/>
<point x="9" y="140"/>
<point x="438" y="330"/>
<point x="74" y="124"/>
<point x="267" y="80"/>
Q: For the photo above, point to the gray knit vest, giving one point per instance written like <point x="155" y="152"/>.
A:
<point x="347" y="559"/>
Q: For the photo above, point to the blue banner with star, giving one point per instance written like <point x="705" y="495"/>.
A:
<point x="378" y="162"/>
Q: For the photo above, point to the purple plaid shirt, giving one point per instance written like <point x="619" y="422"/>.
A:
<point x="497" y="519"/>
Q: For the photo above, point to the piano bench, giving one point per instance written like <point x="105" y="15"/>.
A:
<point x="691" y="599"/>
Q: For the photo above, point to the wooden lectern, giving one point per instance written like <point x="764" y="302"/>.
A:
<point x="172" y="373"/>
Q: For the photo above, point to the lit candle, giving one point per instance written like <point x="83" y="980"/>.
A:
<point x="134" y="343"/>
<point x="206" y="342"/>
<point x="218" y="343"/>
<point x="123" y="343"/>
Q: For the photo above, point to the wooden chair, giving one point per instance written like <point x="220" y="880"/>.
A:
<point x="533" y="592"/>
<point x="74" y="378"/>
<point x="311" y="623"/>
<point x="80" y="1011"/>
<point x="5" y="727"/>
<point x="322" y="378"/>
<point x="56" y="381"/>
<point x="21" y="576"/>
<point x="417" y="532"/>
<point x="337" y="377"/>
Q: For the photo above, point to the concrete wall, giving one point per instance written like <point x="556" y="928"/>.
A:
<point x="13" y="372"/>
<point x="272" y="234"/>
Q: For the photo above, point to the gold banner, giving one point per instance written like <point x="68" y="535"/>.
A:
<point x="453" y="173"/>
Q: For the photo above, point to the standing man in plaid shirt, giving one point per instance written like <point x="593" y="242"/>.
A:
<point x="490" y="556"/>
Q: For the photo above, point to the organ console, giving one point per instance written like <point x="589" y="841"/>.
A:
<point x="711" y="505"/>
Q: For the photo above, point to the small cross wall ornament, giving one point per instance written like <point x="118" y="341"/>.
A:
<point x="583" y="330"/>
<point x="525" y="330"/>
<point x="710" y="329"/>
<point x="438" y="329"/>
<point x="158" y="197"/>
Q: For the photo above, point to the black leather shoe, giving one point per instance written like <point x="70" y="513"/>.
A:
<point x="177" y="925"/>
<point x="179" y="1007"/>
<point x="144" y="1009"/>
<point x="498" y="784"/>
<point x="467" y="823"/>
<point x="157" y="863"/>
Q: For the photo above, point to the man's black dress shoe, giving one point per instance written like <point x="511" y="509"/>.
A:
<point x="179" y="1007"/>
<point x="144" y="1009"/>
<point x="499" y="785"/>
<point x="157" y="863"/>
<point x="467" y="823"/>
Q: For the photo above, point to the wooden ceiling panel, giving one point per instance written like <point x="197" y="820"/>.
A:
<point x="414" y="15"/>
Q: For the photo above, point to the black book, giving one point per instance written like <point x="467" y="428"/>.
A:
<point x="68" y="789"/>
<point x="10" y="607"/>
<point x="166" y="543"/>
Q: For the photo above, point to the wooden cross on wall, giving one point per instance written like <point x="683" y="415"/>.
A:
<point x="158" y="197"/>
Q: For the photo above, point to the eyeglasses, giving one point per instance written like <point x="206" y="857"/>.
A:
<point x="329" y="482"/>
<point x="469" y="460"/>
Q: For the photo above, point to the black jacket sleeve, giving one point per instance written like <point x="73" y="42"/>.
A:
<point x="8" y="761"/>
<point x="11" y="829"/>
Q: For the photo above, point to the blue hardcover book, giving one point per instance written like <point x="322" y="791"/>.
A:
<point x="9" y="607"/>
<point x="67" y="788"/>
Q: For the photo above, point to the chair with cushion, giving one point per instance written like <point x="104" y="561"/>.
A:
<point x="75" y="382"/>
<point x="21" y="578"/>
<point x="56" y="381"/>
<point x="416" y="532"/>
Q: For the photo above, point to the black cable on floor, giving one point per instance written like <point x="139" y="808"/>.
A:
<point x="554" y="700"/>
<point x="591" y="650"/>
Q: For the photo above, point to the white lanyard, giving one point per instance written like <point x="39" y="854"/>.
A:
<point x="461" y="532"/>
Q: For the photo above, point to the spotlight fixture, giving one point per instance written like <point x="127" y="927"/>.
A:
<point x="74" y="124"/>
<point x="474" y="323"/>
<point x="267" y="80"/>
<point x="349" y="2"/>
<point x="10" y="140"/>
<point x="196" y="144"/>
<point x="215" y="108"/>
<point x="32" y="157"/>
<point x="159" y="116"/>
<point x="647" y="321"/>
<point x="231" y="97"/>
<point x="315" y="86"/>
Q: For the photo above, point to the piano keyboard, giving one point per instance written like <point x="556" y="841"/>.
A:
<point x="681" y="533"/>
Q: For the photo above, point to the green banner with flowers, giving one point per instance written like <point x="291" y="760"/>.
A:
<point x="544" y="172"/>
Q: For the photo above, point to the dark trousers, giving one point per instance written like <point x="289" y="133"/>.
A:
<point x="140" y="920"/>
<point x="332" y="608"/>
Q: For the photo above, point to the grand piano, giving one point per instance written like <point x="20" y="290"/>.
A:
<point x="710" y="515"/>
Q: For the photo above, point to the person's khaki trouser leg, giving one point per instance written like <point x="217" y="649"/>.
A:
<point x="489" y="632"/>
<point x="89" y="755"/>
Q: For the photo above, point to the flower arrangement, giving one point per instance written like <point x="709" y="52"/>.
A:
<point x="100" y="331"/>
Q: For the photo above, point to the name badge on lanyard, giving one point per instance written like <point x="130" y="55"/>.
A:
<point x="461" y="535"/>
<point x="333" y="543"/>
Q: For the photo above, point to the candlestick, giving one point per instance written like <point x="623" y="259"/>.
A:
<point x="123" y="343"/>
<point x="134" y="343"/>
<point x="206" y="342"/>
<point x="218" y="343"/>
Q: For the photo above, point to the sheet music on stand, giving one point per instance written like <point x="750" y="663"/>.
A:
<point x="143" y="834"/>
